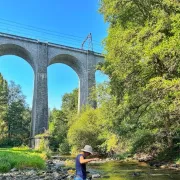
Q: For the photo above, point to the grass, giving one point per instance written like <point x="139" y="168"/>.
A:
<point x="20" y="158"/>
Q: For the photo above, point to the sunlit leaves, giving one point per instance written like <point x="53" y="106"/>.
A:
<point x="143" y="63"/>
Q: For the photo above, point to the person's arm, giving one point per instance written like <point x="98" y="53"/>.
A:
<point x="83" y="161"/>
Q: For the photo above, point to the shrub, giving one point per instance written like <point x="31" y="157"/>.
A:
<point x="143" y="142"/>
<point x="10" y="142"/>
<point x="64" y="148"/>
<point x="85" y="130"/>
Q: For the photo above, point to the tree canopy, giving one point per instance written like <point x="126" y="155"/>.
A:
<point x="142" y="53"/>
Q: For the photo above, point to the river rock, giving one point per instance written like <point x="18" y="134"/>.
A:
<point x="13" y="169"/>
<point x="54" y="171"/>
<point x="96" y="176"/>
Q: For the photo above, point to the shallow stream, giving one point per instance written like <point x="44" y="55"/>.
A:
<point x="130" y="171"/>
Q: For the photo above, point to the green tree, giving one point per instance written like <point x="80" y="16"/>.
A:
<point x="18" y="116"/>
<point x="85" y="129"/>
<point x="70" y="102"/>
<point x="3" y="105"/>
<point x="142" y="61"/>
<point x="59" y="121"/>
<point x="58" y="128"/>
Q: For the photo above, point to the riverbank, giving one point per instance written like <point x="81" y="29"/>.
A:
<point x="157" y="163"/>
<point x="55" y="169"/>
<point x="23" y="163"/>
<point x="63" y="168"/>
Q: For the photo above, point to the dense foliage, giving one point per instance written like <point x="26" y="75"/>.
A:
<point x="138" y="111"/>
<point x="3" y="105"/>
<point x="15" y="115"/>
<point x="142" y="61"/>
<point x="58" y="122"/>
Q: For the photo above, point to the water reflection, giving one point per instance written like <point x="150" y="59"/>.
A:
<point x="131" y="171"/>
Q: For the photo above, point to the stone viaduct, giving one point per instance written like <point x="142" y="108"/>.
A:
<point x="40" y="55"/>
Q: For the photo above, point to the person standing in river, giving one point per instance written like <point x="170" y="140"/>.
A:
<point x="81" y="161"/>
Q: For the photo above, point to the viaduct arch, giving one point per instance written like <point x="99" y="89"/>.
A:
<point x="40" y="55"/>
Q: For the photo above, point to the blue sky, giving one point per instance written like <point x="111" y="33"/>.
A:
<point x="64" y="22"/>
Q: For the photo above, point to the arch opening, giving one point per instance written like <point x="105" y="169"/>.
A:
<point x="13" y="49"/>
<point x="62" y="79"/>
<point x="70" y="61"/>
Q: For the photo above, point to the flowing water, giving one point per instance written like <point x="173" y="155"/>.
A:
<point x="131" y="171"/>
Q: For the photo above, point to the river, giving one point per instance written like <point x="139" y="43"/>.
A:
<point x="116" y="170"/>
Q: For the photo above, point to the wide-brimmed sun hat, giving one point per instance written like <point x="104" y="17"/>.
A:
<point x="88" y="149"/>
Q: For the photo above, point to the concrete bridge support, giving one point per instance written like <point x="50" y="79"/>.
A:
<point x="40" y="96"/>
